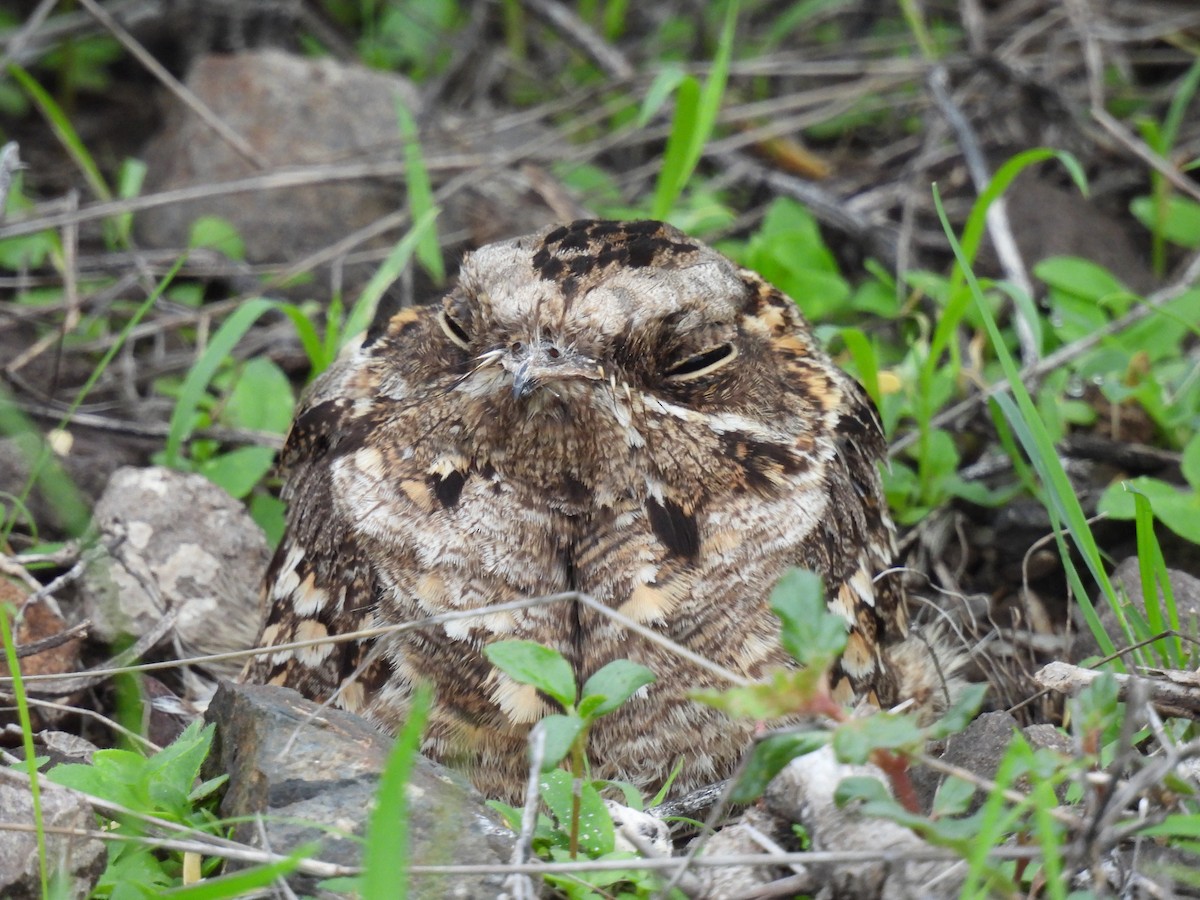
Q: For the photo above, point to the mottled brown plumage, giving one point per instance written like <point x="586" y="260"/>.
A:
<point x="612" y="408"/>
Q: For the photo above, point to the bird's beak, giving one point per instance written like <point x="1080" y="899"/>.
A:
<point x="545" y="362"/>
<point x="523" y="381"/>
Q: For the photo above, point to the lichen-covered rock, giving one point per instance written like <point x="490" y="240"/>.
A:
<point x="82" y="859"/>
<point x="176" y="542"/>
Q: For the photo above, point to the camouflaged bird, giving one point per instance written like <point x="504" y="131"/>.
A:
<point x="606" y="407"/>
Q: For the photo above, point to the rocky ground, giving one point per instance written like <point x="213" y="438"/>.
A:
<point x="522" y="121"/>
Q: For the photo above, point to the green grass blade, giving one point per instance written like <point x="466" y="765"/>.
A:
<point x="1178" y="107"/>
<point x="1152" y="569"/>
<point x="674" y="173"/>
<point x="974" y="230"/>
<point x="63" y="130"/>
<point x="1031" y="432"/>
<point x="696" y="111"/>
<point x="196" y="383"/>
<point x="364" y="307"/>
<point x="714" y="86"/>
<point x="310" y="340"/>
<point x="420" y="195"/>
<point x="385" y="856"/>
<point x="18" y="690"/>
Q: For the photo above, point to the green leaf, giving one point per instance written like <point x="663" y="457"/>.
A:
<point x="770" y="755"/>
<point x="420" y="195"/>
<point x="270" y="514"/>
<point x="665" y="81"/>
<point x="61" y="125"/>
<point x="261" y="399"/>
<point x="782" y="692"/>
<point x="561" y="732"/>
<point x="616" y="683"/>
<point x="854" y="740"/>
<point x="389" y="270"/>
<point x="861" y="788"/>
<point x="239" y="470"/>
<point x="217" y="234"/>
<point x="1178" y="509"/>
<point x="245" y="881"/>
<point x="696" y="112"/>
<point x="192" y="392"/>
<point x="674" y="172"/>
<point x="866" y="362"/>
<point x="1079" y="277"/>
<point x="1179" y="221"/>
<point x="960" y="714"/>
<point x="953" y="797"/>
<point x="810" y="633"/>
<point x="172" y="771"/>
<point x="130" y="178"/>
<point x="528" y="662"/>
<point x="1190" y="464"/>
<point x="596" y="835"/>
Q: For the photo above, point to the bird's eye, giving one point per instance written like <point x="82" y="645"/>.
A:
<point x="454" y="331"/>
<point x="700" y="364"/>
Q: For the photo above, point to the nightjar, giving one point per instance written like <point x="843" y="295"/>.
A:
<point x="604" y="407"/>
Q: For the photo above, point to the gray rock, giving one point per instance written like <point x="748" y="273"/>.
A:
<point x="293" y="111"/>
<point x="298" y="111"/>
<point x="82" y="859"/>
<point x="296" y="762"/>
<point x="179" y="543"/>
<point x="978" y="748"/>
<point x="1126" y="577"/>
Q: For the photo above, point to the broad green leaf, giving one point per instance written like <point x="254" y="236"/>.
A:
<point x="616" y="682"/>
<point x="1079" y="278"/>
<point x="810" y="633"/>
<point x="853" y="741"/>
<point x="1179" y="221"/>
<point x="261" y="399"/>
<point x="770" y="755"/>
<point x="217" y="234"/>
<point x="239" y="470"/>
<point x="1176" y="508"/>
<point x="528" y="662"/>
<point x="953" y="797"/>
<point x="561" y="732"/>
<point x="270" y="514"/>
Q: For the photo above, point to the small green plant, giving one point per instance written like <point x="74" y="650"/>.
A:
<point x="581" y="822"/>
<point x="164" y="786"/>
<point x="815" y="638"/>
<point x="1169" y="217"/>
